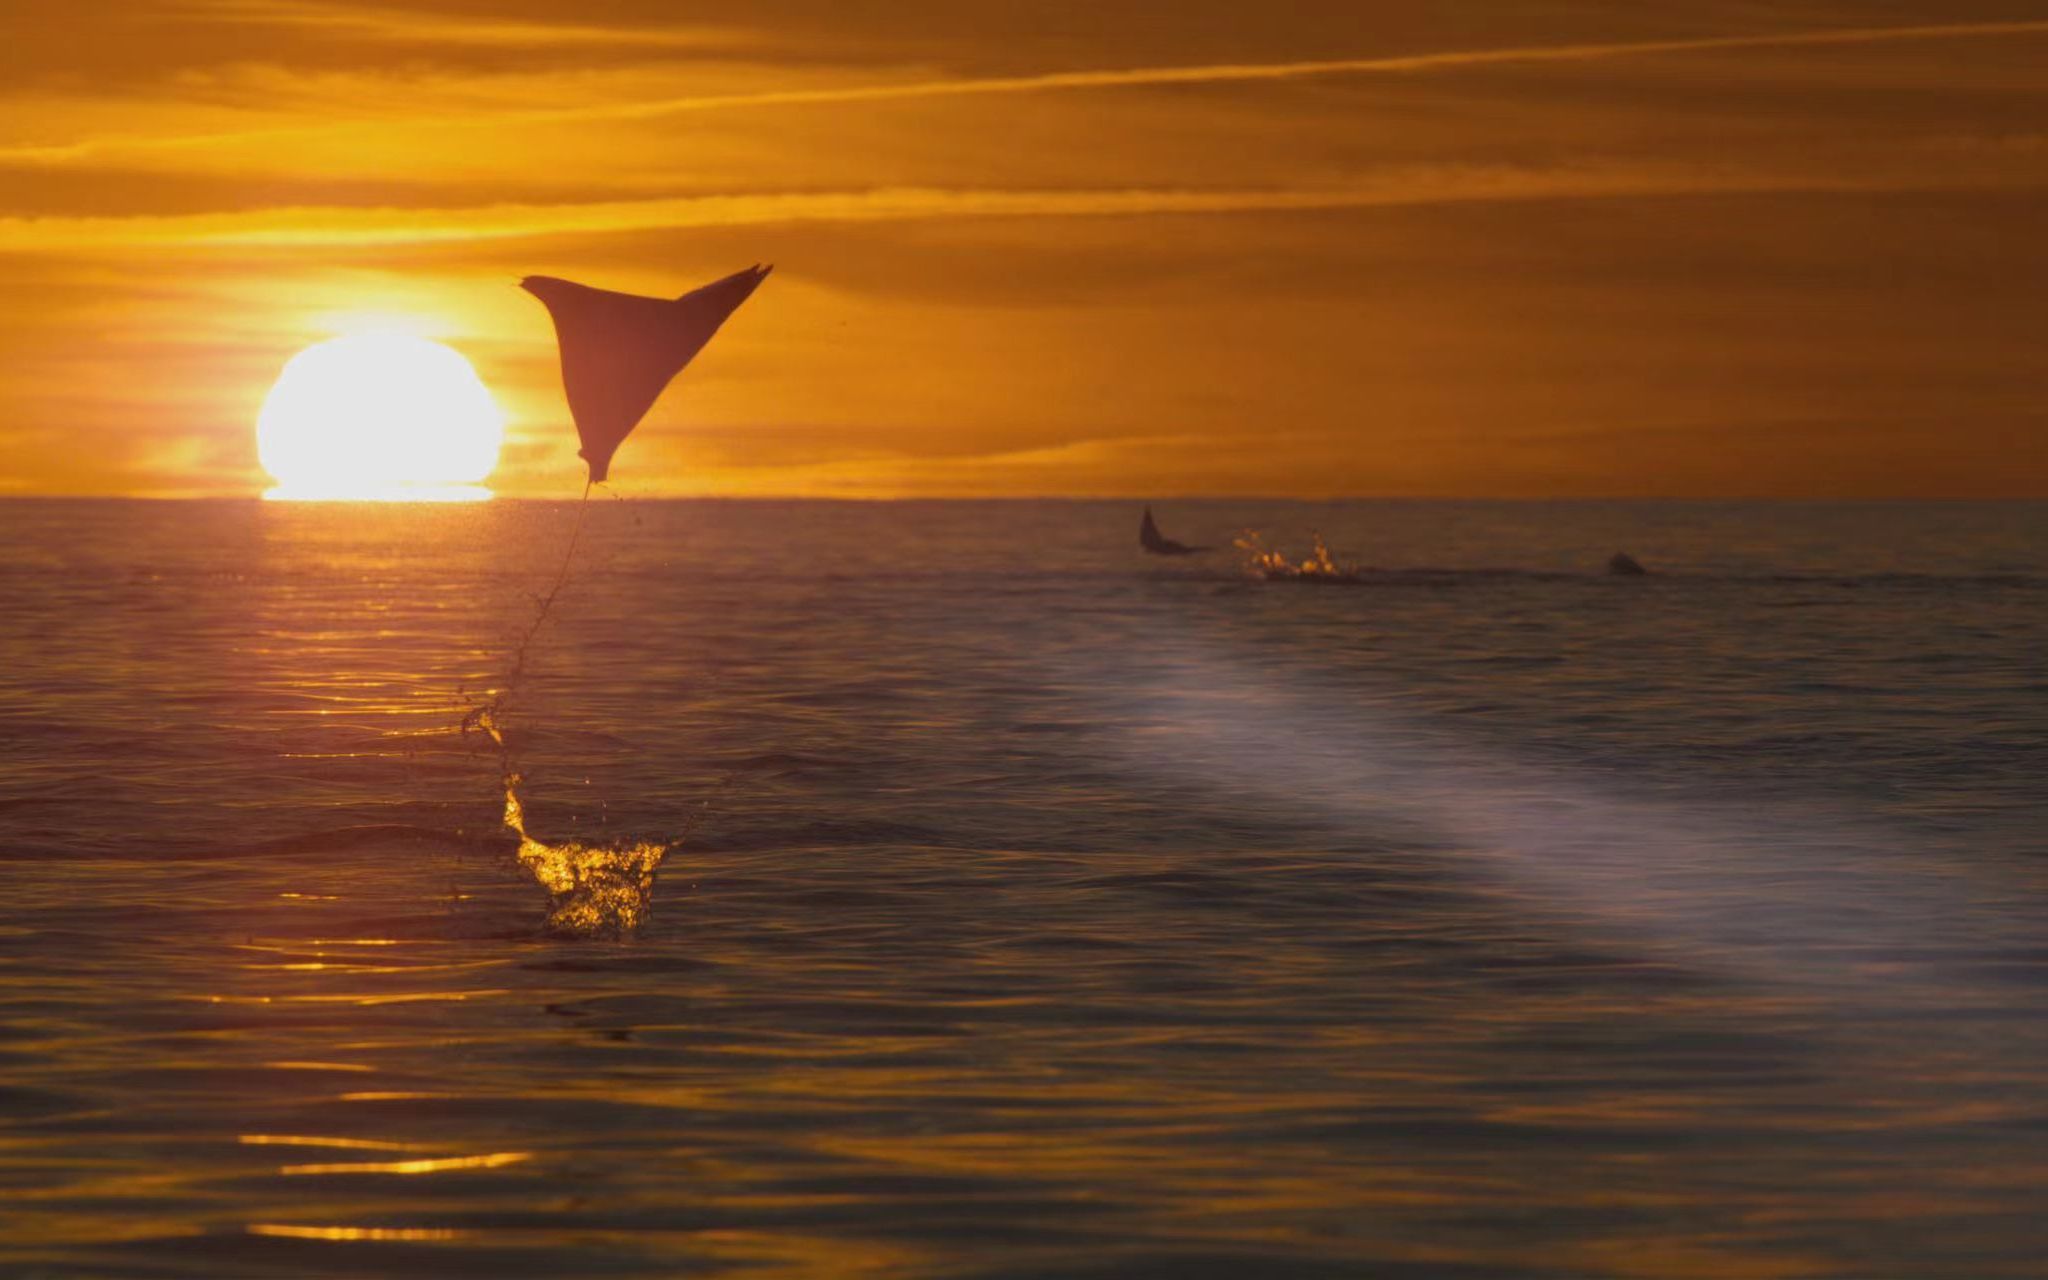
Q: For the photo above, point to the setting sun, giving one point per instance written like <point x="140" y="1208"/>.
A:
<point x="1066" y="638"/>
<point x="384" y="417"/>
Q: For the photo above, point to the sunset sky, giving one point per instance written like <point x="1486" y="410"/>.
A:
<point x="1504" y="248"/>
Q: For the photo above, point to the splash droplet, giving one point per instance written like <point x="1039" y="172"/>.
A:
<point x="594" y="891"/>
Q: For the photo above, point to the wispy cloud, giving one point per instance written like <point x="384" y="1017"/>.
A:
<point x="1226" y="73"/>
<point x="1220" y="73"/>
<point x="1022" y="275"/>
<point x="305" y="227"/>
<point x="404" y="26"/>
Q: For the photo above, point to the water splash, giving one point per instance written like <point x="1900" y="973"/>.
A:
<point x="594" y="890"/>
<point x="1262" y="561"/>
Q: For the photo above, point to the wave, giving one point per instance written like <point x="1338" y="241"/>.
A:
<point x="1430" y="576"/>
<point x="355" y="837"/>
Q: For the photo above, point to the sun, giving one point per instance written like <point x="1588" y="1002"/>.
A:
<point x="379" y="417"/>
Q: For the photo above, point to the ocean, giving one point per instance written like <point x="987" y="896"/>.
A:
<point x="1030" y="906"/>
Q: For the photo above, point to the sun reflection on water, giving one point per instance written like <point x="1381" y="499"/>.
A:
<point x="386" y="493"/>
<point x="311" y="1140"/>
<point x="438" y="1164"/>
<point x="287" y="1231"/>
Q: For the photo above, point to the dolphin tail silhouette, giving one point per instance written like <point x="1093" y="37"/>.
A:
<point x="619" y="350"/>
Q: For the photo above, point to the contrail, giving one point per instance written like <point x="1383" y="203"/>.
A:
<point x="1215" y="73"/>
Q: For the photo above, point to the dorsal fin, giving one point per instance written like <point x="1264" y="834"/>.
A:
<point x="1148" y="533"/>
<point x="619" y="350"/>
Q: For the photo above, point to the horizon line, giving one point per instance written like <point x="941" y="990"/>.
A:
<point x="258" y="498"/>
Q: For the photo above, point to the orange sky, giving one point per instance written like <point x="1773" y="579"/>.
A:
<point x="1511" y="247"/>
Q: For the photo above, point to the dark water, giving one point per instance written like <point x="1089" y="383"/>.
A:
<point x="1055" y="911"/>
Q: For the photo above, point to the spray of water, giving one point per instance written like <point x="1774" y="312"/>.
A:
<point x="489" y="715"/>
<point x="1262" y="561"/>
<point x="594" y="890"/>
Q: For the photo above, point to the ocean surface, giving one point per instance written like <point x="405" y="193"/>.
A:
<point x="1035" y="907"/>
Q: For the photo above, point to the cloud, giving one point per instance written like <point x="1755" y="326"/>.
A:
<point x="1225" y="73"/>
<point x="343" y="227"/>
<point x="1237" y="73"/>
<point x="404" y="26"/>
<point x="1252" y="268"/>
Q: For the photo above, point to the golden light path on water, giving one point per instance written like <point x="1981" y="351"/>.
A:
<point x="287" y="1231"/>
<point x="1120" y="919"/>
<point x="494" y="1160"/>
<point x="394" y="493"/>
